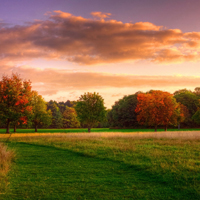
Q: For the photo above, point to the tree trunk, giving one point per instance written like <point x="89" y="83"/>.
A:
<point x="165" y="127"/>
<point x="8" y="126"/>
<point x="15" y="126"/>
<point x="89" y="129"/>
<point x="156" y="128"/>
<point x="179" y="126"/>
<point x="35" y="127"/>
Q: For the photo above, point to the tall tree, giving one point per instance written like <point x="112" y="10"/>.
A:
<point x="70" y="118"/>
<point x="190" y="100"/>
<point x="15" y="95"/>
<point x="196" y="117"/>
<point x="56" y="114"/>
<point x="184" y="115"/>
<point x="90" y="109"/>
<point x="40" y="114"/>
<point x="157" y="108"/>
<point x="197" y="91"/>
<point x="123" y="112"/>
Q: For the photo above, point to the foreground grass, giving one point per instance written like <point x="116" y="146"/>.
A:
<point x="6" y="157"/>
<point x="89" y="167"/>
<point x="94" y="130"/>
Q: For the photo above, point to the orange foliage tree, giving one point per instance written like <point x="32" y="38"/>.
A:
<point x="15" y="95"/>
<point x="158" y="108"/>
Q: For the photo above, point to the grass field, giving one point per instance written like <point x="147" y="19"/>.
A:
<point x="105" y="166"/>
<point x="83" y="130"/>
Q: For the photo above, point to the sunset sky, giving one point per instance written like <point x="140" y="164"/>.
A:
<point x="113" y="47"/>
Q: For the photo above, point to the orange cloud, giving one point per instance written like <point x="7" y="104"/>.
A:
<point x="100" y="15"/>
<point x="89" y="41"/>
<point x="51" y="81"/>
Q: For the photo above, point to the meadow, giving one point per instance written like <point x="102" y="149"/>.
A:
<point x="104" y="165"/>
<point x="85" y="130"/>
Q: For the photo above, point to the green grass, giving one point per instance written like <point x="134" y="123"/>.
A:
<point x="81" y="130"/>
<point x="104" y="168"/>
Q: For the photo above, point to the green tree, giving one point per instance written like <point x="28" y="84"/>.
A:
<point x="15" y="95"/>
<point x="40" y="114"/>
<point x="70" y="118"/>
<point x="123" y="112"/>
<point x="190" y="100"/>
<point x="90" y="109"/>
<point x="56" y="114"/>
<point x="197" y="90"/>
<point x="196" y="117"/>
<point x="62" y="105"/>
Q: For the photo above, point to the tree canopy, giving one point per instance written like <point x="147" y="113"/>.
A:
<point x="40" y="115"/>
<point x="70" y="118"/>
<point x="123" y="112"/>
<point x="190" y="100"/>
<point x="90" y="109"/>
<point x="56" y="114"/>
<point x="15" y="95"/>
<point x="157" y="108"/>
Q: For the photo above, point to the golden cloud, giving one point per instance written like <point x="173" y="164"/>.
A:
<point x="100" y="15"/>
<point x="92" y="41"/>
<point x="51" y="81"/>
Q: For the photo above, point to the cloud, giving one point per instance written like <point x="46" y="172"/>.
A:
<point x="100" y="15"/>
<point x="51" y="81"/>
<point x="117" y="95"/>
<point x="95" y="41"/>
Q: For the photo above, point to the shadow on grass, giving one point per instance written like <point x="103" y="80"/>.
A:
<point x="143" y="181"/>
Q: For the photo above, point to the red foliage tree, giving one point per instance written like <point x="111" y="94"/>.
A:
<point x="15" y="95"/>
<point x="157" y="108"/>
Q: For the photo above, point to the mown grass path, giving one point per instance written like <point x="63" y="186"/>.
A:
<point x="44" y="172"/>
<point x="99" y="169"/>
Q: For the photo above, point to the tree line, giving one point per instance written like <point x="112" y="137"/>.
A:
<point x="22" y="107"/>
<point x="157" y="108"/>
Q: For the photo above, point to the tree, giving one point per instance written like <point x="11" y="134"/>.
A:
<point x="184" y="115"/>
<point x="56" y="114"/>
<point x="70" y="118"/>
<point x="90" y="109"/>
<point x="62" y="105"/>
<point x="15" y="97"/>
<point x="40" y="114"/>
<point x="157" y="108"/>
<point x="197" y="91"/>
<point x="123" y="112"/>
<point x="190" y="100"/>
<point x="196" y="117"/>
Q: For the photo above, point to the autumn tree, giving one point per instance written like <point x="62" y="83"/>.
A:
<point x="70" y="118"/>
<point x="90" y="109"/>
<point x="15" y="95"/>
<point x="157" y="108"/>
<point x="184" y="115"/>
<point x="40" y="114"/>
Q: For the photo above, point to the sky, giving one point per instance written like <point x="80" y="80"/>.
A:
<point x="113" y="47"/>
